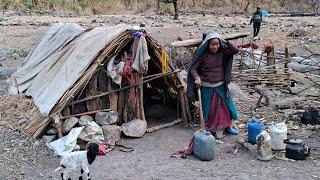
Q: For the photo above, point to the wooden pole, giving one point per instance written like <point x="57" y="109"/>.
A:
<point x="120" y="89"/>
<point x="287" y="60"/>
<point x="271" y="58"/>
<point x="57" y="122"/>
<point x="141" y="97"/>
<point x="201" y="112"/>
<point x="161" y="126"/>
<point x="85" y="113"/>
<point x="183" y="106"/>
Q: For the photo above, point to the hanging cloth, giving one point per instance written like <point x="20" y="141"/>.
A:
<point x="164" y="61"/>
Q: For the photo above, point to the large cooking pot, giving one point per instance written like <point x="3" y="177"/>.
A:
<point x="295" y="149"/>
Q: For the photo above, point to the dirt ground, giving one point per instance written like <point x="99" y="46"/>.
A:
<point x="24" y="158"/>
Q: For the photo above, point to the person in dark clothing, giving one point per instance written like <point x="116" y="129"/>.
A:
<point x="211" y="71"/>
<point x="256" y="20"/>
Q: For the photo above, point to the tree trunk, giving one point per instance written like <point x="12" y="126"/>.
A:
<point x="158" y="5"/>
<point x="176" y="15"/>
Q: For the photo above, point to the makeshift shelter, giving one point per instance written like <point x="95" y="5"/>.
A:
<point x="74" y="72"/>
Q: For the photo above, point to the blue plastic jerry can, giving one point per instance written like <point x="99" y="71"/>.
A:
<point x="204" y="145"/>
<point x="254" y="128"/>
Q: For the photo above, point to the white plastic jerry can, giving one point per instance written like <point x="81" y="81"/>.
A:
<point x="264" y="146"/>
<point x="278" y="134"/>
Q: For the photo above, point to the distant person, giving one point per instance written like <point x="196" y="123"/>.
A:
<point x="256" y="20"/>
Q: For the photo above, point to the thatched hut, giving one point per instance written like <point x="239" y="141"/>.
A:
<point x="75" y="71"/>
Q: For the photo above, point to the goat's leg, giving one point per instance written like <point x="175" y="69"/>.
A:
<point x="66" y="174"/>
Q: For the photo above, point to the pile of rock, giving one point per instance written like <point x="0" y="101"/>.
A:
<point x="103" y="126"/>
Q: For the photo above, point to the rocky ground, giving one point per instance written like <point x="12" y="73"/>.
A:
<point x="24" y="158"/>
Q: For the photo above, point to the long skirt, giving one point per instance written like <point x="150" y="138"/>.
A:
<point x="218" y="109"/>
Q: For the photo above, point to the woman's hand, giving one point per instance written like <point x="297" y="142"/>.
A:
<point x="197" y="82"/>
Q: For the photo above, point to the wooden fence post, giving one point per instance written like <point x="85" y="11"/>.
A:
<point x="287" y="59"/>
<point x="270" y="57"/>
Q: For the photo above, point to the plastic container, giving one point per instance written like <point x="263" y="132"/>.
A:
<point x="264" y="146"/>
<point x="204" y="145"/>
<point x="254" y="128"/>
<point x="278" y="134"/>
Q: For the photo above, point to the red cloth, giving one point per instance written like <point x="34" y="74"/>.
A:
<point x="219" y="115"/>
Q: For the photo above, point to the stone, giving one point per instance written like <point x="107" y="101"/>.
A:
<point x="142" y="24"/>
<point x="52" y="131"/>
<point x="85" y="119"/>
<point x="236" y="92"/>
<point x="23" y="122"/>
<point x="69" y="123"/>
<point x="111" y="132"/>
<point x="106" y="118"/>
<point x="92" y="131"/>
<point x="2" y="54"/>
<point x="5" y="73"/>
<point x="48" y="138"/>
<point x="134" y="128"/>
<point x="300" y="67"/>
<point x="306" y="62"/>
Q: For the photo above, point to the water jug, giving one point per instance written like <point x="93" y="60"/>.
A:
<point x="278" y="133"/>
<point x="204" y="145"/>
<point x="254" y="128"/>
<point x="264" y="146"/>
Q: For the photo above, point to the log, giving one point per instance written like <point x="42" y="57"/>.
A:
<point x="85" y="113"/>
<point x="161" y="126"/>
<point x="196" y="42"/>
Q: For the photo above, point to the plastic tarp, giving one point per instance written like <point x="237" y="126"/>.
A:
<point x="65" y="69"/>
<point x="67" y="143"/>
<point x="49" y="47"/>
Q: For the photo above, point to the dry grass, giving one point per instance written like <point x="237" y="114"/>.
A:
<point x="13" y="108"/>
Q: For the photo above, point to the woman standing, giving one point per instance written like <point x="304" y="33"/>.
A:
<point x="211" y="71"/>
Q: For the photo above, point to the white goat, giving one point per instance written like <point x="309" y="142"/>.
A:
<point x="79" y="161"/>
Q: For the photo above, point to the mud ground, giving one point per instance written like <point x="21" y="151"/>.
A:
<point x="24" y="158"/>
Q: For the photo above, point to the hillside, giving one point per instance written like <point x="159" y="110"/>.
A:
<point x="142" y="6"/>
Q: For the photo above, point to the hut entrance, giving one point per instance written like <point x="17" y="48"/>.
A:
<point x="160" y="105"/>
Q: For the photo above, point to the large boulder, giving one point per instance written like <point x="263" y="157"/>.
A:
<point x="91" y="132"/>
<point x="69" y="123"/>
<point x="85" y="119"/>
<point x="106" y="118"/>
<point x="5" y="73"/>
<point x="134" y="128"/>
<point x="111" y="132"/>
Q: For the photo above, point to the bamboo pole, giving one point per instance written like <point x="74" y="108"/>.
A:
<point x="161" y="126"/>
<point x="85" y="113"/>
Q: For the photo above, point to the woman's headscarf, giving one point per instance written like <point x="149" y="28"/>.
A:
<point x="203" y="46"/>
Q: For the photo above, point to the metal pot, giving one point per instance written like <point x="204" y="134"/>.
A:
<point x="295" y="149"/>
